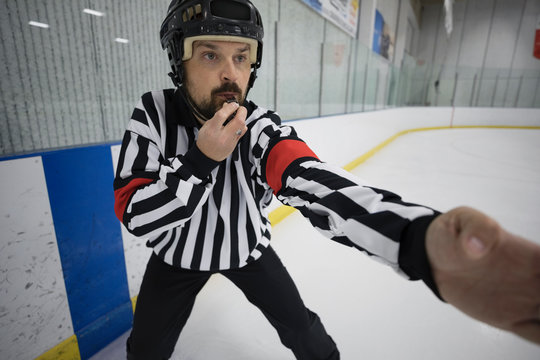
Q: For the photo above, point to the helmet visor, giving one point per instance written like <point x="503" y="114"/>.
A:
<point x="188" y="44"/>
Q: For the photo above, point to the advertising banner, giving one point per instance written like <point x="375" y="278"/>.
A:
<point x="343" y="13"/>
<point x="383" y="37"/>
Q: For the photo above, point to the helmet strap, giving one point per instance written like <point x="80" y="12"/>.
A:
<point x="175" y="79"/>
<point x="192" y="106"/>
<point x="251" y="81"/>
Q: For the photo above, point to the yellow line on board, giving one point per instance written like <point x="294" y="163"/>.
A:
<point x="283" y="211"/>
<point x="66" y="350"/>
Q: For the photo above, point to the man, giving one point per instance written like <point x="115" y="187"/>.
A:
<point x="198" y="168"/>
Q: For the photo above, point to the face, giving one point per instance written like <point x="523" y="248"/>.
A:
<point x="218" y="71"/>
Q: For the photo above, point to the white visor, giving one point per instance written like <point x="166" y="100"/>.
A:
<point x="188" y="44"/>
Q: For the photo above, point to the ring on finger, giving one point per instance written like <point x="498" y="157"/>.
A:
<point x="238" y="132"/>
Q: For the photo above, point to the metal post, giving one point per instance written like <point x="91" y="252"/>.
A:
<point x="454" y="91"/>
<point x="376" y="89"/>
<point x="462" y="32"/>
<point x="519" y="89"/>
<point x="472" y="92"/>
<point x="321" y="78"/>
<point x="321" y="73"/>
<point x="494" y="90"/>
<point x="426" y="87"/>
<point x="365" y="83"/>
<point x="506" y="89"/>
<point x="386" y="88"/>
<point x="485" y="51"/>
<point x="437" y="88"/>
<point x="397" y="31"/>
<point x="398" y="88"/>
<point x="348" y="101"/>
<point x="407" y="89"/>
<point x="515" y="50"/>
<point x="276" y="67"/>
<point x="536" y="91"/>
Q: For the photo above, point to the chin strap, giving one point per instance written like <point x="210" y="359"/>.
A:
<point x="252" y="78"/>
<point x="194" y="109"/>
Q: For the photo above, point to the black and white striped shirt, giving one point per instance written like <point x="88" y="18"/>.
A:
<point x="203" y="215"/>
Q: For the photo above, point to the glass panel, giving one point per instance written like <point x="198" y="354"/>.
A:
<point x="72" y="78"/>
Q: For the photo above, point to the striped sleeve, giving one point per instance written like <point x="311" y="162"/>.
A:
<point x="154" y="194"/>
<point x="343" y="208"/>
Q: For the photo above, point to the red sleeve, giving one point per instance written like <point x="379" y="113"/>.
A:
<point x="281" y="156"/>
<point x="122" y="195"/>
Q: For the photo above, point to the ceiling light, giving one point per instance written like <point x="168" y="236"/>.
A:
<point x="39" y="24"/>
<point x="93" y="12"/>
<point x="121" y="40"/>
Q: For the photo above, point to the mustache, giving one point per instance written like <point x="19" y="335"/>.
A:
<point x="227" y="87"/>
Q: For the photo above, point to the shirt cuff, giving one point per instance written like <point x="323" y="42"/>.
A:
<point x="413" y="259"/>
<point x="199" y="164"/>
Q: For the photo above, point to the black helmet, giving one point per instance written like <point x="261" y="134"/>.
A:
<point x="190" y="20"/>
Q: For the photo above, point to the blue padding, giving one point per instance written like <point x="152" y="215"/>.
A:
<point x="89" y="239"/>
<point x="104" y="330"/>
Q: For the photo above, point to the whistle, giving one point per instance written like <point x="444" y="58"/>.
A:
<point x="233" y="114"/>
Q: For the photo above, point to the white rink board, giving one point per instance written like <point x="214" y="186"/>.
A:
<point x="34" y="311"/>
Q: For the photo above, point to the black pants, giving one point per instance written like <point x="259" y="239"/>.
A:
<point x="168" y="293"/>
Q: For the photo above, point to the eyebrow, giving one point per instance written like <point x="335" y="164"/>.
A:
<point x="216" y="47"/>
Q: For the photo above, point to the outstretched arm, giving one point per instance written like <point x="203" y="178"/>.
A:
<point x="462" y="255"/>
<point x="486" y="272"/>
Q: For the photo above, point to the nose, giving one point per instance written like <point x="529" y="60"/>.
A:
<point x="229" y="73"/>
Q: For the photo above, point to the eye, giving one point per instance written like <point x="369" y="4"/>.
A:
<point x="210" y="56"/>
<point x="241" y="58"/>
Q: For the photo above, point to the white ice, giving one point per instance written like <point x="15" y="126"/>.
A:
<point x="370" y="311"/>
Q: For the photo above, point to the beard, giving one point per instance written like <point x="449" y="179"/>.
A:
<point x="207" y="107"/>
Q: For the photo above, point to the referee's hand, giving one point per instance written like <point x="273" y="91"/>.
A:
<point x="218" y="140"/>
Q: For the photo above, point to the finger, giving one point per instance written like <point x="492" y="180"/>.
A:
<point x="474" y="247"/>
<point x="223" y="114"/>
<point x="529" y="330"/>
<point x="229" y="118"/>
<point x="479" y="234"/>
<point x="238" y="122"/>
<point x="239" y="117"/>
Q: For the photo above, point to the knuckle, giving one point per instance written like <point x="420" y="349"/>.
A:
<point x="493" y="227"/>
<point x="243" y="111"/>
<point x="221" y="113"/>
